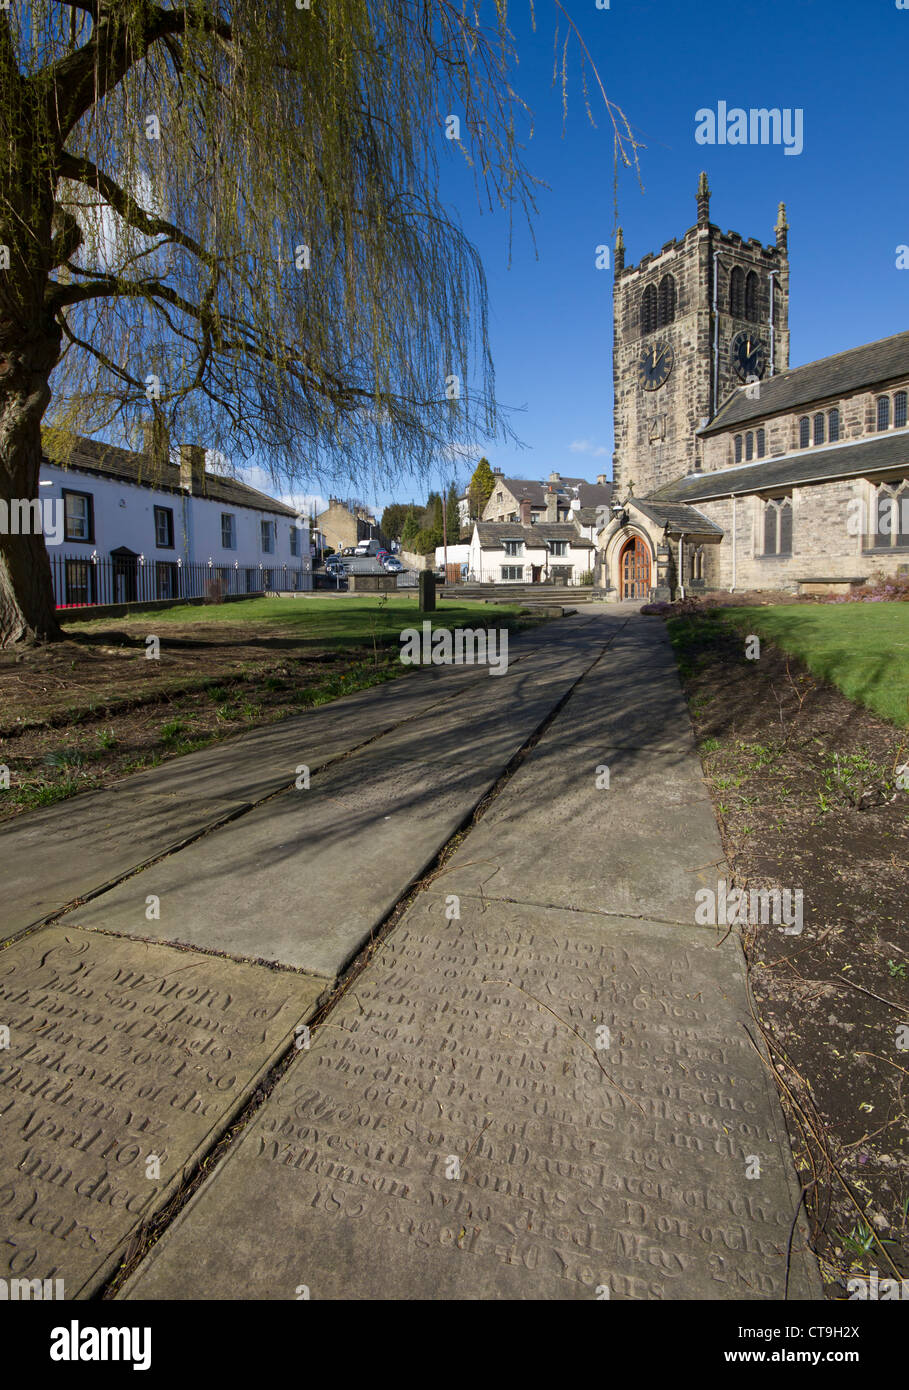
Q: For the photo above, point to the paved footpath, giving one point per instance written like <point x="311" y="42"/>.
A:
<point x="542" y="1083"/>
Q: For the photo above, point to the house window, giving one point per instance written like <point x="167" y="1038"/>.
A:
<point x="833" y="426"/>
<point x="883" y="412"/>
<point x="166" y="579"/>
<point x="738" y="448"/>
<point x="778" y="526"/>
<point x="79" y="516"/>
<point x="751" y="289"/>
<point x="737" y="293"/>
<point x="749" y="447"/>
<point x="819" y="428"/>
<point x="761" y="443"/>
<point x="294" y="540"/>
<point x="892" y="514"/>
<point x="559" y="548"/>
<point x="268" y="536"/>
<point x="513" y="547"/>
<point x="164" y="532"/>
<point x="80" y="582"/>
<point x="649" y="309"/>
<point x="899" y="410"/>
<point x="667" y="301"/>
<point x="228" y="531"/>
<point x="804" y="432"/>
<point x="512" y="572"/>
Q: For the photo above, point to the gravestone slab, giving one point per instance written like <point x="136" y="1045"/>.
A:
<point x="119" y="1053"/>
<point x="459" y="1129"/>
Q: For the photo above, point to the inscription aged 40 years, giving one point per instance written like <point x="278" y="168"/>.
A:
<point x="448" y="1128"/>
<point x="122" y="1058"/>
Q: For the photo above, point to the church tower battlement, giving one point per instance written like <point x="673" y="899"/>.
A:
<point x="705" y="315"/>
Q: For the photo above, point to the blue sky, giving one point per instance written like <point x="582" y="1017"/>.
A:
<point x="844" y="64"/>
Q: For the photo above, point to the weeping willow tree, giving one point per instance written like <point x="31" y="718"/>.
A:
<point x="221" y="219"/>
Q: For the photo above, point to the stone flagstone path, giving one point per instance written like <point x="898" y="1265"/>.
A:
<point x="541" y="1085"/>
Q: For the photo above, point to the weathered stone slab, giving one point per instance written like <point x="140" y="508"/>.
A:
<point x="454" y="1131"/>
<point x="119" y="1053"/>
<point x="641" y="846"/>
<point x="306" y="878"/>
<point x="83" y="853"/>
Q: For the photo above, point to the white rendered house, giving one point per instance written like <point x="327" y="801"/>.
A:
<point x="135" y="530"/>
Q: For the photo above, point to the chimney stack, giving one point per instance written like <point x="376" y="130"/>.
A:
<point x="526" y="512"/>
<point x="555" y="477"/>
<point x="192" y="469"/>
<point x="552" y="505"/>
<point x="601" y="479"/>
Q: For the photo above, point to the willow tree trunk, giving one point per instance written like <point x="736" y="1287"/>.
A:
<point x="27" y="607"/>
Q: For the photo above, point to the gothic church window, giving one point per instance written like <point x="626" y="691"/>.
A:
<point x="737" y="292"/>
<point x="697" y="565"/>
<point x="778" y="526"/>
<point x="819" y="428"/>
<point x="667" y="301"/>
<point x="883" y="412"/>
<point x="899" y="410"/>
<point x="833" y="426"/>
<point x="804" y="432"/>
<point x="749" y="447"/>
<point x="649" y="309"/>
<point x="751" y="289"/>
<point x="738" y="448"/>
<point x="761" y="443"/>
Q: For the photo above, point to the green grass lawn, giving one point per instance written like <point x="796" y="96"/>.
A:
<point x="323" y="621"/>
<point x="861" y="648"/>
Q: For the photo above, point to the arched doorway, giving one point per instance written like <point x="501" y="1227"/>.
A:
<point x="634" y="569"/>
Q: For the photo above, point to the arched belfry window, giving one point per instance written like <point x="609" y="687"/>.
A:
<point x="667" y="300"/>
<point x="737" y="292"/>
<point x="751" y="296"/>
<point x="649" y="309"/>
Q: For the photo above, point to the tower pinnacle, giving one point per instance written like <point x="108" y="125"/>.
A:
<point x="703" y="200"/>
<point x="782" y="229"/>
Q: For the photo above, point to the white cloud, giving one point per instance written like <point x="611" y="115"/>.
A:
<point x="587" y="446"/>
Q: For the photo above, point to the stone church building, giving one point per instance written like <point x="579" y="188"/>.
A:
<point x="732" y="470"/>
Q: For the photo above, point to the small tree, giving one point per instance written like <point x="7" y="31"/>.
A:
<point x="410" y="529"/>
<point x="452" y="515"/>
<point x="481" y="486"/>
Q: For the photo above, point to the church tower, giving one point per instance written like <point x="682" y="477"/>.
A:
<point x="706" y="315"/>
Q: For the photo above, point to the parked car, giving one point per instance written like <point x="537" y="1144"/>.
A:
<point x="392" y="565"/>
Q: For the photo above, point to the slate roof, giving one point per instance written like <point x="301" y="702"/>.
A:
<point x="109" y="461"/>
<point x="679" y="518"/>
<point x="528" y="490"/>
<point x="875" y="454"/>
<point x="493" y="533"/>
<point x="872" y="364"/>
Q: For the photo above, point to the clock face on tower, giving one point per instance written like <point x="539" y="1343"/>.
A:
<point x="749" y="356"/>
<point x="654" y="365"/>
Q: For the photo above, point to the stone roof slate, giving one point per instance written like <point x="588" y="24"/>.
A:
<point x="872" y="364"/>
<point x="110" y="461"/>
<point x="874" y="454"/>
